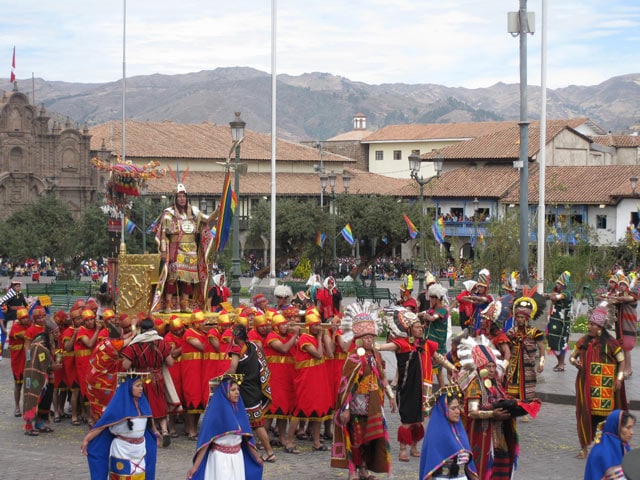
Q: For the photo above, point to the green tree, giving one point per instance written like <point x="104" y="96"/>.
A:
<point x="45" y="228"/>
<point x="91" y="234"/>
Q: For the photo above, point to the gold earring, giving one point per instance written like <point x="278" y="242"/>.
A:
<point x="599" y="333"/>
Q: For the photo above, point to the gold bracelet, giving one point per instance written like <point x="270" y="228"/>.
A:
<point x="485" y="414"/>
<point x="389" y="391"/>
<point x="620" y="376"/>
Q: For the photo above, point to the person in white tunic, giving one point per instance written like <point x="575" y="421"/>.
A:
<point x="226" y="448"/>
<point x="123" y="443"/>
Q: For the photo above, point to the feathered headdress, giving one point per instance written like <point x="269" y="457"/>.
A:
<point x="360" y="319"/>
<point x="398" y="321"/>
<point x="474" y="353"/>
<point x="530" y="301"/>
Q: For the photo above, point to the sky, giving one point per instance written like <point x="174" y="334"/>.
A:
<point x="455" y="43"/>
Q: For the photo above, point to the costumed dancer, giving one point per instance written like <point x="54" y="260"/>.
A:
<point x="104" y="365"/>
<point x="60" y="385"/>
<point x="505" y="320"/>
<point x="86" y="339"/>
<point x="600" y="379"/>
<point x="480" y="300"/>
<point x="490" y="426"/>
<point x="249" y="360"/>
<point x="414" y="357"/>
<point x="490" y="329"/>
<point x="626" y="302"/>
<point x="446" y="452"/>
<point x="526" y="342"/>
<point x="192" y="372"/>
<point x="361" y="437"/>
<point x="328" y="300"/>
<point x="436" y="319"/>
<point x="313" y="395"/>
<point x="226" y="449"/>
<point x="38" y="380"/>
<point x="123" y="443"/>
<point x="185" y="242"/>
<point x="175" y="340"/>
<point x="278" y="349"/>
<point x="559" y="326"/>
<point x="148" y="352"/>
<point x="611" y="444"/>
<point x="18" y="354"/>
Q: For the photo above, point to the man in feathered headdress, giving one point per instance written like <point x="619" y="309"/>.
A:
<point x="526" y="342"/>
<point x="184" y="239"/>
<point x="361" y="438"/>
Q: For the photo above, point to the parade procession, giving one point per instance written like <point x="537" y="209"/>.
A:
<point x="372" y="277"/>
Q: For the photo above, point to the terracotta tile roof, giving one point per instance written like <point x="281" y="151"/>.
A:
<point x="435" y="131"/>
<point x="287" y="184"/>
<point x="168" y="140"/>
<point x="469" y="182"/>
<point x="353" y="135"/>
<point x="579" y="185"/>
<point x="503" y="144"/>
<point x="618" y="141"/>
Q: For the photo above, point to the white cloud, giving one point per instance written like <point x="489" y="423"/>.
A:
<point x="456" y="43"/>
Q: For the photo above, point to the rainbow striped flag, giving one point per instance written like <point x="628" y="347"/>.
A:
<point x="227" y="208"/>
<point x="320" y="238"/>
<point x="438" y="230"/>
<point x="347" y="234"/>
<point x="129" y="226"/>
<point x="413" y="233"/>
<point x="635" y="234"/>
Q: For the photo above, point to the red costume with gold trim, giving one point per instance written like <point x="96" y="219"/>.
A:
<point x="192" y="372"/>
<point x="16" y="347"/>
<point x="313" y="392"/>
<point x="283" y="371"/>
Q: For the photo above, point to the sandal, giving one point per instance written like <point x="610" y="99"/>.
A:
<point x="321" y="448"/>
<point x="271" y="458"/>
<point x="403" y="458"/>
<point x="275" y="442"/>
<point x="45" y="429"/>
<point x="174" y="434"/>
<point x="292" y="450"/>
<point x="414" y="453"/>
<point x="193" y="438"/>
<point x="56" y="419"/>
<point x="17" y="413"/>
<point x="31" y="433"/>
<point x="166" y="439"/>
<point x="582" y="454"/>
<point x="76" y="422"/>
<point x="558" y="368"/>
<point x="302" y="436"/>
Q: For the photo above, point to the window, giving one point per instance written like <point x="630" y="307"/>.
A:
<point x="601" y="222"/>
<point x="397" y="154"/>
<point x="379" y="155"/>
<point x="415" y="152"/>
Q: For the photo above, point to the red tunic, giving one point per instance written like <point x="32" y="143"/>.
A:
<point x="283" y="371"/>
<point x="175" y="370"/>
<point x="192" y="372"/>
<point x="313" y="392"/>
<point x="255" y="337"/>
<point x="69" y="361"/>
<point x="149" y="357"/>
<point x="335" y="366"/>
<point x="33" y="331"/>
<point x="82" y="354"/>
<point x="16" y="347"/>
<point x="104" y="365"/>
<point x="215" y="362"/>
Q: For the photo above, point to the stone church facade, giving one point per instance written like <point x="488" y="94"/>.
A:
<point x="38" y="155"/>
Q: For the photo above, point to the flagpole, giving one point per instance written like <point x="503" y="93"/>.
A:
<point x="123" y="246"/>
<point x="272" y="239"/>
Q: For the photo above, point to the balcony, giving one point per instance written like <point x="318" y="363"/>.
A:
<point x="464" y="229"/>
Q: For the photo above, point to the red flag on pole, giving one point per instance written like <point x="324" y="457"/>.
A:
<point x="13" y="66"/>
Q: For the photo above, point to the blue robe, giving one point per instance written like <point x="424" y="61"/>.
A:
<point x="120" y="408"/>
<point x="220" y="418"/>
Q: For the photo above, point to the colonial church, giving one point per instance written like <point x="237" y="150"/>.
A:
<point x="38" y="155"/>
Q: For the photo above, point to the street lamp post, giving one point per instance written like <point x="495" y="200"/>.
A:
<point x="414" y="165"/>
<point x="332" y="185"/>
<point x="237" y="134"/>
<point x="330" y="181"/>
<point x="475" y="225"/>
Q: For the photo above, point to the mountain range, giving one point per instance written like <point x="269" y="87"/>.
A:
<point x="317" y="106"/>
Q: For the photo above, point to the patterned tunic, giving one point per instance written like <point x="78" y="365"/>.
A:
<point x="521" y="372"/>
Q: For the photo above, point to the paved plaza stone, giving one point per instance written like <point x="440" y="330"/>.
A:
<point x="548" y="444"/>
